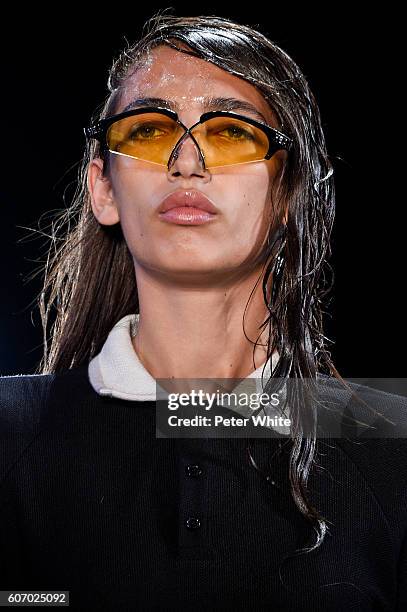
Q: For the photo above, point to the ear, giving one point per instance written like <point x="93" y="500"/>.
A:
<point x="101" y="194"/>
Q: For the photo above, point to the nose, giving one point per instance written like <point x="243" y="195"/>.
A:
<point x="186" y="157"/>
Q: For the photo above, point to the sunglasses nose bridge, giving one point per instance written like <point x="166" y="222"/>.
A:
<point x="184" y="141"/>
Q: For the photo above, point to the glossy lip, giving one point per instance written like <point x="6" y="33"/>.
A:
<point x="190" y="197"/>
<point x="187" y="215"/>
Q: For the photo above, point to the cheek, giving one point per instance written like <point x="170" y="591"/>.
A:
<point x="249" y="203"/>
<point x="133" y="222"/>
<point x="134" y="198"/>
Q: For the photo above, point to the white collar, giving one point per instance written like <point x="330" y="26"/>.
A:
<point x="118" y="372"/>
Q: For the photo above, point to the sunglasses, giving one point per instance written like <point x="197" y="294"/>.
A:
<point x="155" y="135"/>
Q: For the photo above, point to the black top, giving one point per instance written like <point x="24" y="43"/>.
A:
<point x="92" y="502"/>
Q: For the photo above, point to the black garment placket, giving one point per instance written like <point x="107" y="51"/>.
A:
<point x="194" y="469"/>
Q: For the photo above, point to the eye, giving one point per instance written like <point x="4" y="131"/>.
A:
<point x="144" y="132"/>
<point x="235" y="132"/>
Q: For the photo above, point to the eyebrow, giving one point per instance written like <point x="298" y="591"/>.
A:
<point x="209" y="103"/>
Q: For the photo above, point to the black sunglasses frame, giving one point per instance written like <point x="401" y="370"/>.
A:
<point x="277" y="140"/>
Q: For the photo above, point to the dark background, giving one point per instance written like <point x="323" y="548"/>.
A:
<point x="54" y="75"/>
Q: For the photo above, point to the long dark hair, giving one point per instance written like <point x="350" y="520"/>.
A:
<point x="89" y="276"/>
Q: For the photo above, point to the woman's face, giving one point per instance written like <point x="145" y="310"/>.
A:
<point x="228" y="244"/>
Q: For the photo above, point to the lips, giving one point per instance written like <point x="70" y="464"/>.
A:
<point x="190" y="197"/>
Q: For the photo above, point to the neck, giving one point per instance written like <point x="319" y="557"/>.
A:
<point x="198" y="331"/>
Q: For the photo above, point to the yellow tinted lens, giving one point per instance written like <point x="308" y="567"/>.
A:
<point x="148" y="136"/>
<point x="225" y="140"/>
<point x="153" y="136"/>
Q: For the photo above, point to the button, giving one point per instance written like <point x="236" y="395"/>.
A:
<point x="193" y="523"/>
<point x="193" y="470"/>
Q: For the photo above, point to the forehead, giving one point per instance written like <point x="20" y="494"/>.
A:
<point x="187" y="80"/>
